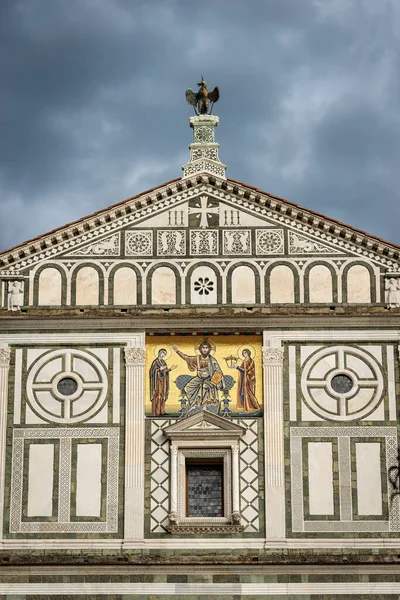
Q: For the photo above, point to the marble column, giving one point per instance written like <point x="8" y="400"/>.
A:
<point x="134" y="444"/>
<point x="5" y="353"/>
<point x="274" y="449"/>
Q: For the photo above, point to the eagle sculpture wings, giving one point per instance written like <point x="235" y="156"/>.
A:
<point x="201" y="100"/>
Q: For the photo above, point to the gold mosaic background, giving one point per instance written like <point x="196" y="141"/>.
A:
<point x="225" y="346"/>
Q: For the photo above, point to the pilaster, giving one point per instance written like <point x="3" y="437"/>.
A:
<point x="135" y="358"/>
<point x="274" y="453"/>
<point x="5" y="353"/>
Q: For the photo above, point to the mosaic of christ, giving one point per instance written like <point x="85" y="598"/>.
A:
<point x="222" y="375"/>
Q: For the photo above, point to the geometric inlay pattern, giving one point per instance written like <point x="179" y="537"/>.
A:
<point x="65" y="437"/>
<point x="269" y="241"/>
<point x="160" y="475"/>
<point x="249" y="476"/>
<point x="67" y="386"/>
<point x="203" y="242"/>
<point x="342" y="383"/>
<point x="139" y="243"/>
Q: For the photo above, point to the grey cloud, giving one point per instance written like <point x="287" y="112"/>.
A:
<point x="93" y="110"/>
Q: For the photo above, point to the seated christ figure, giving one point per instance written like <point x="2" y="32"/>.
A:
<point x="202" y="389"/>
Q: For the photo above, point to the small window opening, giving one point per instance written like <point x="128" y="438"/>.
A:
<point x="204" y="487"/>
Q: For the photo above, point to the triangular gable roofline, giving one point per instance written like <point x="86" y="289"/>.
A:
<point x="245" y="192"/>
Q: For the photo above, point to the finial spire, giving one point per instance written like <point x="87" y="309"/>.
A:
<point x="204" y="149"/>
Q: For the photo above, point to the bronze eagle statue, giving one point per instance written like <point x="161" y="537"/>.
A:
<point x="201" y="100"/>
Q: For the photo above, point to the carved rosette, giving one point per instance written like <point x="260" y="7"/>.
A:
<point x="5" y="354"/>
<point x="272" y="356"/>
<point x="135" y="357"/>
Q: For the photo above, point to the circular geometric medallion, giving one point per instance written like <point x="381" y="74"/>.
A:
<point x="67" y="386"/>
<point x="341" y="383"/>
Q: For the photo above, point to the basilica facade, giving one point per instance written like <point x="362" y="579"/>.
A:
<point x="198" y="398"/>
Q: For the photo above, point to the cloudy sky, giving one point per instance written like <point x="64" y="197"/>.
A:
<point x="92" y="105"/>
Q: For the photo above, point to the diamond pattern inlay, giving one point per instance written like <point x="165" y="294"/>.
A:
<point x="248" y="471"/>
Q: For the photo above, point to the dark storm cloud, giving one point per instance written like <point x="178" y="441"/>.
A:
<point x="93" y="110"/>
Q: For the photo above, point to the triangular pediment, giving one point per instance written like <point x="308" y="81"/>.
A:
<point x="204" y="424"/>
<point x="203" y="216"/>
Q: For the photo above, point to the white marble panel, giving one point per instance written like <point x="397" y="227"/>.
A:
<point x="323" y="366"/>
<point x="320" y="478"/>
<point x="31" y="418"/>
<point x="369" y="484"/>
<point x="87" y="287"/>
<point x="281" y="284"/>
<point x="358" y="285"/>
<point x="34" y="353"/>
<point x="306" y="351"/>
<point x="48" y="402"/>
<point x="361" y="399"/>
<point x="85" y="370"/>
<point x="359" y="366"/>
<point x="47" y="372"/>
<point x="243" y="286"/>
<point x="88" y="480"/>
<point x="125" y="286"/>
<point x="40" y="480"/>
<point x="163" y="286"/>
<point x="50" y="287"/>
<point x="320" y="284"/>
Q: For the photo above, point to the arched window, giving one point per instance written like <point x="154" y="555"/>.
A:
<point x="87" y="286"/>
<point x="50" y="284"/>
<point x="358" y="285"/>
<point x="243" y="285"/>
<point x="320" y="285"/>
<point x="125" y="286"/>
<point x="163" y="286"/>
<point x="281" y="283"/>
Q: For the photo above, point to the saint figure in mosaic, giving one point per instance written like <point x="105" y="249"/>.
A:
<point x="246" y="391"/>
<point x="159" y="383"/>
<point x="203" y="388"/>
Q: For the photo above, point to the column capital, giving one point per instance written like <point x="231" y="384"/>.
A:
<point x="135" y="356"/>
<point x="5" y="354"/>
<point x="272" y="356"/>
